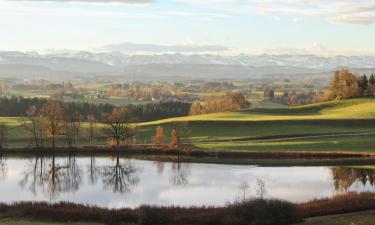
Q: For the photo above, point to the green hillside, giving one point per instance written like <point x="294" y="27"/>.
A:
<point x="330" y="126"/>
<point x="349" y="109"/>
<point x="272" y="124"/>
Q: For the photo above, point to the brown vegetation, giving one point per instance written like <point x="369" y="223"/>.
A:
<point x="230" y="101"/>
<point x="346" y="84"/>
<point x="255" y="211"/>
<point x="343" y="203"/>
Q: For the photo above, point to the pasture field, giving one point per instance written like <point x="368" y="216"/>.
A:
<point x="359" y="218"/>
<point x="354" y="109"/>
<point x="330" y="126"/>
<point x="273" y="129"/>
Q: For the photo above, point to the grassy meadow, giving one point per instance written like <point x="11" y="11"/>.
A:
<point x="276" y="128"/>
<point x="260" y="129"/>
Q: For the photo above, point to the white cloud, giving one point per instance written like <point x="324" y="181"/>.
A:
<point x="361" y="11"/>
<point x="362" y="20"/>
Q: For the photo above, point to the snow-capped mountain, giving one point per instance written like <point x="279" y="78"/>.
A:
<point x="178" y="64"/>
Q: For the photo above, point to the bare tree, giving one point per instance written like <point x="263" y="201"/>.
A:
<point x="119" y="126"/>
<point x="3" y="134"/>
<point x="91" y="129"/>
<point x="52" y="117"/>
<point x="261" y="189"/>
<point x="34" y="125"/>
<point x="244" y="191"/>
<point x="72" y="125"/>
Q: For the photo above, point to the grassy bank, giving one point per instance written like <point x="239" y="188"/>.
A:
<point x="358" y="218"/>
<point x="253" y="211"/>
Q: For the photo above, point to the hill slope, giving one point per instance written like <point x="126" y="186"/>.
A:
<point x="347" y="110"/>
<point x="337" y="125"/>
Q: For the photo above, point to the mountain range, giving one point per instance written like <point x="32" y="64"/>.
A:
<point x="152" y="66"/>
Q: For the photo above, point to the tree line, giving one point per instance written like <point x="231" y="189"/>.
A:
<point x="346" y="85"/>
<point x="230" y="101"/>
<point x="55" y="120"/>
<point x="18" y="106"/>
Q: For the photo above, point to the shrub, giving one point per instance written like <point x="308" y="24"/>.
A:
<point x="149" y="215"/>
<point x="264" y="212"/>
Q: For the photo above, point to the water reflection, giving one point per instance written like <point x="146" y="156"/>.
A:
<point x="107" y="181"/>
<point x="3" y="168"/>
<point x="345" y="177"/>
<point x="51" y="177"/>
<point x="120" y="176"/>
<point x="93" y="171"/>
<point x="33" y="176"/>
<point x="180" y="173"/>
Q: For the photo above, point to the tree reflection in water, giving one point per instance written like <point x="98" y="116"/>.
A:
<point x="3" y="168"/>
<point x="61" y="176"/>
<point x="345" y="177"/>
<point x="52" y="179"/>
<point x="93" y="171"/>
<point x="120" y="176"/>
<point x="180" y="172"/>
<point x="33" y="175"/>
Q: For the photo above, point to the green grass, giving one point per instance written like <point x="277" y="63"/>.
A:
<point x="360" y="218"/>
<point x="344" y="144"/>
<point x="349" y="109"/>
<point x="356" y="115"/>
<point x="26" y="222"/>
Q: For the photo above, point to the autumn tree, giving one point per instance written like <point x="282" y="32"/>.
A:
<point x="91" y="129"/>
<point x="118" y="126"/>
<point x="34" y="125"/>
<point x="230" y="101"/>
<point x="3" y="134"/>
<point x="52" y="120"/>
<point x="159" y="138"/>
<point x="344" y="85"/>
<point x="180" y="136"/>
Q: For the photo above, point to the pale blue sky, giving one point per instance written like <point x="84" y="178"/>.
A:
<point x="248" y="26"/>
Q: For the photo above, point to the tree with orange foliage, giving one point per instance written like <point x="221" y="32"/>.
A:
<point x="52" y="118"/>
<point x="343" y="86"/>
<point x="159" y="138"/>
<point x="176" y="141"/>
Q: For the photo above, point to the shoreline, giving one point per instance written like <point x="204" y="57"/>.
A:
<point x="297" y="212"/>
<point x="152" y="150"/>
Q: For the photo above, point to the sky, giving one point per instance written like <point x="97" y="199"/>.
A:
<point x="223" y="26"/>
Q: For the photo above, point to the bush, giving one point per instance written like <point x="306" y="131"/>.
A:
<point x="264" y="212"/>
<point x="149" y="215"/>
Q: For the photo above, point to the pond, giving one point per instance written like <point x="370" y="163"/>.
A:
<point x="125" y="182"/>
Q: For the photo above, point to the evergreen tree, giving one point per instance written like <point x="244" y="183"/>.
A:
<point x="371" y="86"/>
<point x="363" y="86"/>
<point x="372" y="79"/>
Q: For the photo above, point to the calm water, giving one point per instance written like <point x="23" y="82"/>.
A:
<point x="121" y="182"/>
